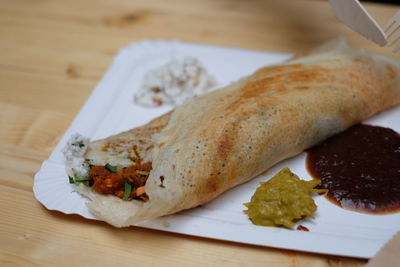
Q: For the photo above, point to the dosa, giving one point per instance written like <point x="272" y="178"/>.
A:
<point x="226" y="137"/>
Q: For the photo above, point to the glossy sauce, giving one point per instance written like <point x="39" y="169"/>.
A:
<point x="360" y="168"/>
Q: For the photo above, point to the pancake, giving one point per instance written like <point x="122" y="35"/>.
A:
<point x="226" y="137"/>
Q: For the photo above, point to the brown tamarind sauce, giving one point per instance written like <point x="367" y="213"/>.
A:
<point x="360" y="168"/>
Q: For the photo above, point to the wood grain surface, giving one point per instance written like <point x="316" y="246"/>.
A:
<point x="52" y="54"/>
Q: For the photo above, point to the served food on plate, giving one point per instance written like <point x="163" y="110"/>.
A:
<point x="221" y="139"/>
<point x="283" y="200"/>
<point x="361" y="168"/>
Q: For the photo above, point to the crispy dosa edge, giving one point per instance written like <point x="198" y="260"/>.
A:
<point x="109" y="207"/>
<point x="226" y="137"/>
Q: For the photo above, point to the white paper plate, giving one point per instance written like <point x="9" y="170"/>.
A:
<point x="110" y="110"/>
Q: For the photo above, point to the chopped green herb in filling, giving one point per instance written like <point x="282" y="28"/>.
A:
<point x="74" y="180"/>
<point x="111" y="168"/>
<point x="127" y="190"/>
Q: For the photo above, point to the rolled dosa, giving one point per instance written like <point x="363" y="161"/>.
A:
<point x="226" y="137"/>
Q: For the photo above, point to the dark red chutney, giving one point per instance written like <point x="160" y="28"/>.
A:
<point x="361" y="169"/>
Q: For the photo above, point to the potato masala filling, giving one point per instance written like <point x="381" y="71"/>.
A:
<point x="126" y="183"/>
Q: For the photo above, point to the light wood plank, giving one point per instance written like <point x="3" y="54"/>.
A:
<point x="37" y="128"/>
<point x="53" y="53"/>
<point x="36" y="236"/>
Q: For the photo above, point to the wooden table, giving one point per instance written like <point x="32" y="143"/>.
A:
<point x="52" y="54"/>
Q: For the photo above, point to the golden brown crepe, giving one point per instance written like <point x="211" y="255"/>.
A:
<point x="226" y="137"/>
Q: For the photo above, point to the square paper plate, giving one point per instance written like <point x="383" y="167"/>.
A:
<point x="110" y="110"/>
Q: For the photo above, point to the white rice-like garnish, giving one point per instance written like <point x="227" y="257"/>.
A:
<point x="74" y="151"/>
<point x="174" y="83"/>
